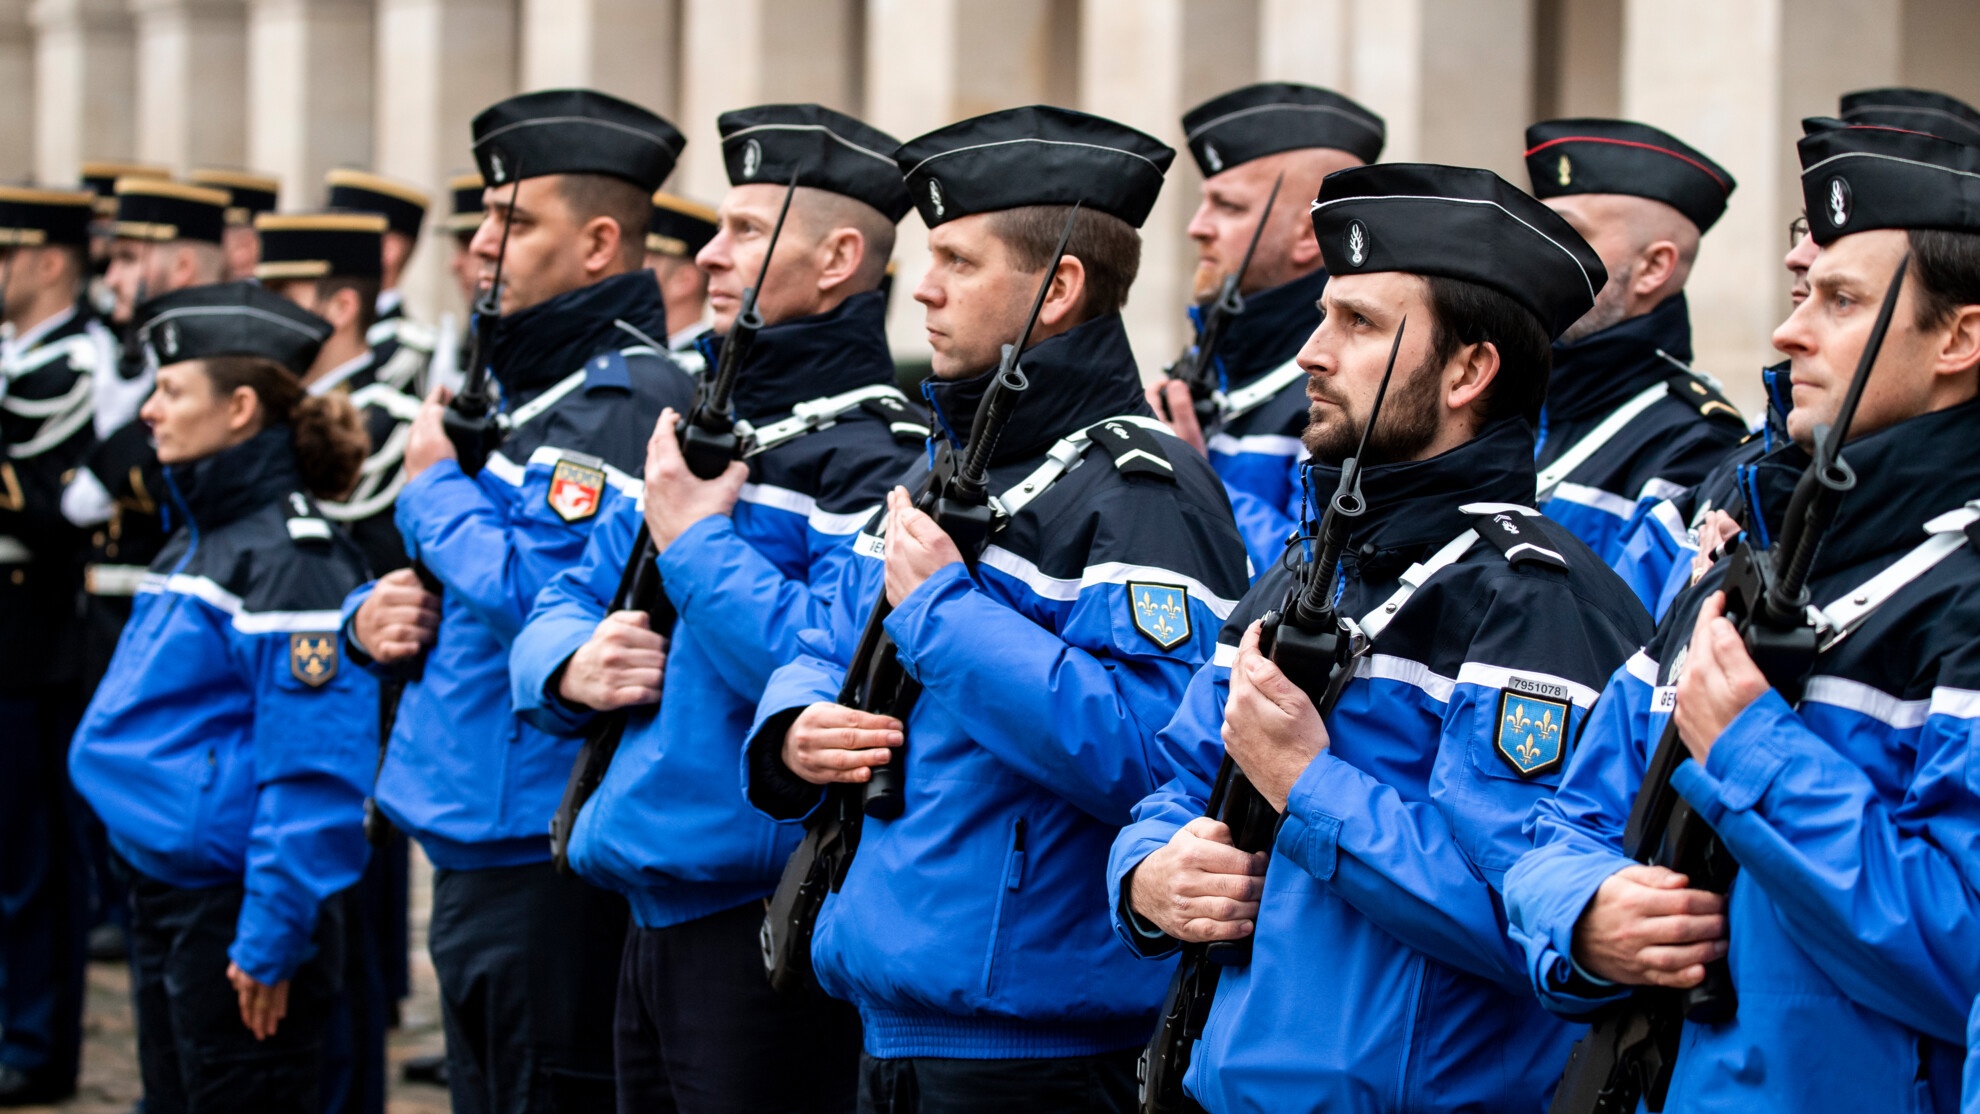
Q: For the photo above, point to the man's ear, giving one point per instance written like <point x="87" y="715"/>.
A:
<point x="342" y="310"/>
<point x="1068" y="294"/>
<point x="243" y="408"/>
<point x="1470" y="375"/>
<point x="1653" y="268"/>
<point x="1961" y="349"/>
<point x="1306" y="246"/>
<point x="599" y="240"/>
<point x="839" y="255"/>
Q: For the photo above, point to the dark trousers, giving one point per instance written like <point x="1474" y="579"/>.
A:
<point x="44" y="891"/>
<point x="194" y="1053"/>
<point x="1102" y="1084"/>
<point x="528" y="961"/>
<point x="699" y="1030"/>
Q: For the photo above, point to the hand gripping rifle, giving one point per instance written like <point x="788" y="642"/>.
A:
<point x="1631" y="1049"/>
<point x="956" y="493"/>
<point x="1197" y="365"/>
<point x="710" y="441"/>
<point x="476" y="431"/>
<point x="1307" y="638"/>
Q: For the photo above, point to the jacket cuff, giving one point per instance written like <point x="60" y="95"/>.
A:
<point x="1749" y="754"/>
<point x="685" y="567"/>
<point x="1140" y="935"/>
<point x="1309" y="833"/>
<point x="910" y="621"/>
<point x="770" y="785"/>
<point x="265" y="945"/>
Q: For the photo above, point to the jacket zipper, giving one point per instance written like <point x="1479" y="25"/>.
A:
<point x="1013" y="879"/>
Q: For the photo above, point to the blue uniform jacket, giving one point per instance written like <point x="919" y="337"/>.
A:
<point x="975" y="925"/>
<point x="1257" y="448"/>
<point x="669" y="827"/>
<point x="228" y="745"/>
<point x="1664" y="449"/>
<point x="1855" y="928"/>
<point x="1381" y="977"/>
<point x="1660" y="539"/>
<point x="473" y="783"/>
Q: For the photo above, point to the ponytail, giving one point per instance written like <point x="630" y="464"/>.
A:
<point x="329" y="439"/>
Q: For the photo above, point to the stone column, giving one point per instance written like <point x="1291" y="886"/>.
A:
<point x="933" y="62"/>
<point x="309" y="91"/>
<point x="1940" y="40"/>
<point x="736" y="53"/>
<point x="191" y="81"/>
<point x="1734" y="80"/>
<point x="1306" y="41"/>
<point x="1453" y="78"/>
<point x="1144" y="63"/>
<point x="439" y="63"/>
<point x="17" y="89"/>
<point x="83" y="92"/>
<point x="628" y="48"/>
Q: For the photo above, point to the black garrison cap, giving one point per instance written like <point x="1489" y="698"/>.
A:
<point x="828" y="150"/>
<point x="402" y="206"/>
<point x="31" y="217"/>
<point x="465" y="189"/>
<point x="160" y="210"/>
<point x="1275" y="116"/>
<point x="248" y="195"/>
<point x="1622" y="156"/>
<point x="1040" y="155"/>
<point x="1854" y="179"/>
<point x="230" y="319"/>
<point x="681" y="228"/>
<point x="100" y="178"/>
<point x="1919" y="110"/>
<point x="320" y="245"/>
<point x="1461" y="223"/>
<point x="574" y="131"/>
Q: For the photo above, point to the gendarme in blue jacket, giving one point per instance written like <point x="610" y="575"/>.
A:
<point x="1854" y="920"/>
<point x="583" y="383"/>
<point x="228" y="745"/>
<point x="1258" y="451"/>
<point x="975" y="925"/>
<point x="1381" y="978"/>
<point x="669" y="827"/>
<point x="1677" y="425"/>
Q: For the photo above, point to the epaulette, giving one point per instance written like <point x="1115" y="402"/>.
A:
<point x="607" y="371"/>
<point x="1703" y="397"/>
<point x="306" y="527"/>
<point x="1136" y="451"/>
<point x="907" y="427"/>
<point x="1515" y="531"/>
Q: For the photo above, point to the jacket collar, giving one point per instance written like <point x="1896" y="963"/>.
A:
<point x="1274" y="326"/>
<point x="215" y="490"/>
<point x="811" y="357"/>
<point x="1077" y="378"/>
<point x="1598" y="373"/>
<point x="534" y="348"/>
<point x="1905" y="475"/>
<point x="1413" y="506"/>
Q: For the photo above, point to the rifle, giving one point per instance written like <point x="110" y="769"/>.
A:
<point x="956" y="492"/>
<point x="710" y="441"/>
<point x="1316" y="648"/>
<point x="476" y="431"/>
<point x="1631" y="1049"/>
<point x="1197" y="365"/>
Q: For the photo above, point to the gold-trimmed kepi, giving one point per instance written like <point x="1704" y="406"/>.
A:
<point x="465" y="189"/>
<point x="100" y="178"/>
<point x="160" y="210"/>
<point x="679" y="228"/>
<point x="248" y="194"/>
<point x="403" y="206"/>
<point x="31" y="216"/>
<point x="320" y="245"/>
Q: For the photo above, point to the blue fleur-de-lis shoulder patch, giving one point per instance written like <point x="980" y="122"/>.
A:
<point x="313" y="658"/>
<point x="1532" y="727"/>
<point x="1161" y="613"/>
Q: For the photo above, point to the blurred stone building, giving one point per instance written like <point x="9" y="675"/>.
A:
<point x="295" y="87"/>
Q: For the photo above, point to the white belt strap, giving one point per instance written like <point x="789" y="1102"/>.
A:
<point x="547" y="399"/>
<point x="388" y="398"/>
<point x="64" y="417"/>
<point x="13" y="552"/>
<point x="1840" y="618"/>
<point x="1551" y="476"/>
<point x="821" y="413"/>
<point x="113" y="580"/>
<point x="1059" y="459"/>
<point x="1378" y="620"/>
<point x="1237" y="403"/>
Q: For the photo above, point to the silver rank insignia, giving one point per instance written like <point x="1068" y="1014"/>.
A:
<point x="1161" y="613"/>
<point x="313" y="658"/>
<point x="1532" y="733"/>
<point x="575" y="490"/>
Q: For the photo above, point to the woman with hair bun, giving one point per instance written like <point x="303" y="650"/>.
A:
<point x="228" y="750"/>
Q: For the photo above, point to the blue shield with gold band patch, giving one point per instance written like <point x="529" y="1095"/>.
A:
<point x="1161" y="613"/>
<point x="313" y="658"/>
<point x="1532" y="731"/>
